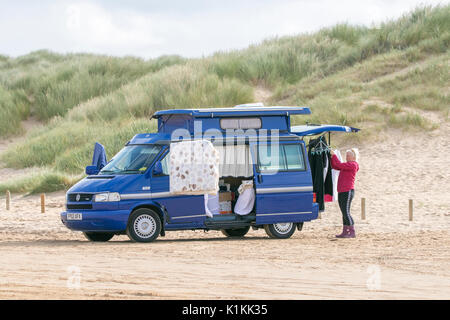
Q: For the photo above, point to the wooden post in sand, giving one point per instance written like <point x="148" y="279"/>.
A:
<point x="410" y="210"/>
<point x="8" y="199"/>
<point x="43" y="203"/>
<point x="363" y="208"/>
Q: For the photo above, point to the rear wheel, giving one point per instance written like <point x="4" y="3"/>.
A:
<point x="98" y="236"/>
<point x="235" y="232"/>
<point x="280" y="230"/>
<point x="144" y="225"/>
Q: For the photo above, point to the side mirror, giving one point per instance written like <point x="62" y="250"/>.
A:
<point x="158" y="169"/>
<point x="91" y="170"/>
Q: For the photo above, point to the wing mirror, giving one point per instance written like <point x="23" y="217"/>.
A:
<point x="158" y="169"/>
<point x="91" y="170"/>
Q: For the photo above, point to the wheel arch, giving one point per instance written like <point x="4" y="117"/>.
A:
<point x="152" y="206"/>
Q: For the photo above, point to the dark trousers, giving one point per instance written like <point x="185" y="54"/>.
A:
<point x="345" y="201"/>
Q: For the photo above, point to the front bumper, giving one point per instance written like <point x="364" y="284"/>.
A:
<point x="93" y="220"/>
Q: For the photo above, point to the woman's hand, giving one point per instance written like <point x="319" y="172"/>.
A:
<point x="331" y="152"/>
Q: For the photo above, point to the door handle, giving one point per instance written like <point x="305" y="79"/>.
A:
<point x="260" y="179"/>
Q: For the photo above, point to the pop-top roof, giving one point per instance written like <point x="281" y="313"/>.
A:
<point x="237" y="111"/>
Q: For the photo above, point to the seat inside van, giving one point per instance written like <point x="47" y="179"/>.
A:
<point x="236" y="165"/>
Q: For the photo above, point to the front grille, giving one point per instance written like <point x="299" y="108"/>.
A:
<point x="79" y="206"/>
<point x="84" y="197"/>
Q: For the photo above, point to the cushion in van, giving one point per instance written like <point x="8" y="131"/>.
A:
<point x="194" y="167"/>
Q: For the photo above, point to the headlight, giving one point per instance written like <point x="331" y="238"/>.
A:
<point x="106" y="197"/>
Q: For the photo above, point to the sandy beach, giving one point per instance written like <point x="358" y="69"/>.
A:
<point x="391" y="258"/>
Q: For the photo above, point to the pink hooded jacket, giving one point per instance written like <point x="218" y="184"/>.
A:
<point x="347" y="174"/>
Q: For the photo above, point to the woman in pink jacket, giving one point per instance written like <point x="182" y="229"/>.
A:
<point x="346" y="188"/>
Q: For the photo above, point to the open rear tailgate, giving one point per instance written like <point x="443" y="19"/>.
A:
<point x="312" y="129"/>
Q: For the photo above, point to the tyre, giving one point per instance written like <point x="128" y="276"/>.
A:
<point x="98" y="236"/>
<point x="144" y="225"/>
<point x="235" y="232"/>
<point x="280" y="230"/>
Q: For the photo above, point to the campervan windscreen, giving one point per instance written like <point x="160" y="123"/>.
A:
<point x="132" y="159"/>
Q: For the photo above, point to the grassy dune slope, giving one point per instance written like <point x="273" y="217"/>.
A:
<point x="374" y="78"/>
<point x="46" y="85"/>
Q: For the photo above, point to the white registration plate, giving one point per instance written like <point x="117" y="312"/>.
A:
<point x="74" y="216"/>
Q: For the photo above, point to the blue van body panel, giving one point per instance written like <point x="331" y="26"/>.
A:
<point x="270" y="123"/>
<point x="272" y="118"/>
<point x="286" y="196"/>
<point x="184" y="211"/>
<point x="94" y="220"/>
<point x="169" y="124"/>
<point x="118" y="183"/>
<point x="283" y="196"/>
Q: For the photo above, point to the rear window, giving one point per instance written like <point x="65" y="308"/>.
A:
<point x="240" y="123"/>
<point x="284" y="157"/>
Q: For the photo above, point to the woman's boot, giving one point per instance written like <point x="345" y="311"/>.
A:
<point x="347" y="232"/>
<point x="344" y="228"/>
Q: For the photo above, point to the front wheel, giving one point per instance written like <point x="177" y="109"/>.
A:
<point x="280" y="230"/>
<point x="144" y="225"/>
<point x="98" y="236"/>
<point x="235" y="232"/>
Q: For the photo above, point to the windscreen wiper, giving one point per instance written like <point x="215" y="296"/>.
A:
<point x="105" y="171"/>
<point x="130" y="170"/>
<point x="120" y="171"/>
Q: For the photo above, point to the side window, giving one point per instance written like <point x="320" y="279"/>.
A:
<point x="166" y="164"/>
<point x="294" y="157"/>
<point x="271" y="158"/>
<point x="285" y="157"/>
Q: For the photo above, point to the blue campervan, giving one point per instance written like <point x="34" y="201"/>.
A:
<point x="131" y="194"/>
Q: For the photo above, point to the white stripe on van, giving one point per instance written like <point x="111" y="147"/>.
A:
<point x="194" y="216"/>
<point x="284" y="189"/>
<point x="281" y="213"/>
<point x="167" y="194"/>
<point x="129" y="196"/>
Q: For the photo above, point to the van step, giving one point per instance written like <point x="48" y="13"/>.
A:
<point x="222" y="218"/>
<point x="231" y="217"/>
<point x="229" y="220"/>
<point x="227" y="225"/>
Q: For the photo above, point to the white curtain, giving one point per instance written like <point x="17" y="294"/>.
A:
<point x="235" y="161"/>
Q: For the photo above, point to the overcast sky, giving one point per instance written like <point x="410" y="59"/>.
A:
<point x="189" y="28"/>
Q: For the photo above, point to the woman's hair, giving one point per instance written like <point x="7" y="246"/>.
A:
<point x="355" y="153"/>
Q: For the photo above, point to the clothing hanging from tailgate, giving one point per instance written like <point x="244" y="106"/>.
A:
<point x="320" y="163"/>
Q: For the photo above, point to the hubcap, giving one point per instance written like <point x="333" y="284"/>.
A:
<point x="145" y="226"/>
<point x="283" y="228"/>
